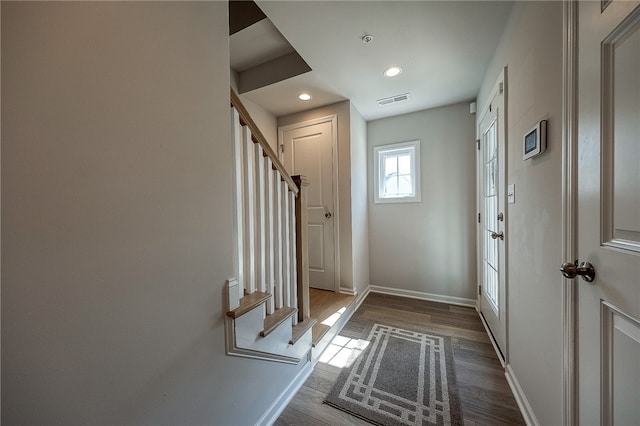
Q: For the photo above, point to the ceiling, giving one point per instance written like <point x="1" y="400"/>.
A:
<point x="443" y="47"/>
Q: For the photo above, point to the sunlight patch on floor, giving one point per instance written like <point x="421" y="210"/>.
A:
<point x="342" y="351"/>
<point x="334" y="317"/>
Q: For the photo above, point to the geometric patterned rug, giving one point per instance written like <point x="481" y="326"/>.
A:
<point x="402" y="378"/>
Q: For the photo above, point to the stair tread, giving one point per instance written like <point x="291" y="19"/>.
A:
<point x="275" y="319"/>
<point x="248" y="302"/>
<point x="319" y="330"/>
<point x="299" y="329"/>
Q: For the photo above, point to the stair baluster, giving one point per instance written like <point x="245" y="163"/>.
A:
<point x="249" y="212"/>
<point x="268" y="211"/>
<point x="270" y="176"/>
<point x="238" y="152"/>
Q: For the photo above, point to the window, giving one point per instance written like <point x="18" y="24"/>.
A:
<point x="397" y="172"/>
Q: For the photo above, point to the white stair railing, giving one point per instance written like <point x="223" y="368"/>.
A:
<point x="265" y="215"/>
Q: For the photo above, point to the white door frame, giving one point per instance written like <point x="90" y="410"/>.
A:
<point x="499" y="87"/>
<point x="333" y="119"/>
<point x="569" y="205"/>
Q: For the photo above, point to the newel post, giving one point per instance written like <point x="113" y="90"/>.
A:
<point x="302" y="247"/>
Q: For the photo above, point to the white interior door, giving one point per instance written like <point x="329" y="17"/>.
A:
<point x="608" y="348"/>
<point x="308" y="150"/>
<point x="491" y="195"/>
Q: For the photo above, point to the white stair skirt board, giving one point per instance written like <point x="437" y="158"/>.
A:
<point x="291" y="354"/>
<point x="451" y="300"/>
<point x="278" y="406"/>
<point x="243" y="338"/>
<point x="521" y="399"/>
<point x="247" y="335"/>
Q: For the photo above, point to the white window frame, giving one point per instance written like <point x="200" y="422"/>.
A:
<point x="378" y="155"/>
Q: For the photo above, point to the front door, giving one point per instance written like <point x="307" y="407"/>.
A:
<point x="492" y="230"/>
<point x="307" y="149"/>
<point x="608" y="314"/>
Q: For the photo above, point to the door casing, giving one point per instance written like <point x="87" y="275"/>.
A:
<point x="499" y="88"/>
<point x="333" y="119"/>
<point x="569" y="204"/>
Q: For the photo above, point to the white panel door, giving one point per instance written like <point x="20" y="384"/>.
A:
<point x="308" y="151"/>
<point x="491" y="195"/>
<point x="608" y="348"/>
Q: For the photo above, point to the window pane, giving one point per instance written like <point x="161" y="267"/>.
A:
<point x="397" y="172"/>
<point x="490" y="178"/>
<point x="391" y="186"/>
<point x="490" y="143"/>
<point x="404" y="164"/>
<point x="404" y="185"/>
<point x="390" y="164"/>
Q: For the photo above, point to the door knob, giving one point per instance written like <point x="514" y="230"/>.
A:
<point x="584" y="269"/>
<point x="327" y="215"/>
<point x="495" y="235"/>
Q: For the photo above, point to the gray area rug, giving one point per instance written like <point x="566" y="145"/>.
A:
<point x="402" y="378"/>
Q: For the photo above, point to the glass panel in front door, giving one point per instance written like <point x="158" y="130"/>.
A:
<point x="490" y="214"/>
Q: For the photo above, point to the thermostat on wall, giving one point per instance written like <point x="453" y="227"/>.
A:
<point x="535" y="141"/>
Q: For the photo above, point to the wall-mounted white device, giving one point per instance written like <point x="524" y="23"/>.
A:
<point x="535" y="141"/>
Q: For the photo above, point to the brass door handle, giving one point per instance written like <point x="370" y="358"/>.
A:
<point x="584" y="269"/>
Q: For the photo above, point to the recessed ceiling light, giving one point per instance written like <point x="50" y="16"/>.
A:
<point x="392" y="71"/>
<point x="304" y="96"/>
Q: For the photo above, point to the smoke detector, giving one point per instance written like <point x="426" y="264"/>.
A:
<point x="393" y="99"/>
<point x="367" y="38"/>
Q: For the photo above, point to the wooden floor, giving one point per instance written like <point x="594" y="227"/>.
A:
<point x="325" y="305"/>
<point x="484" y="393"/>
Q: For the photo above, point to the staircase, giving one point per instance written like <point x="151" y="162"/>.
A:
<point x="268" y="300"/>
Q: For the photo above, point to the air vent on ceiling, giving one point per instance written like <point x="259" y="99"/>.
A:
<point x="393" y="99"/>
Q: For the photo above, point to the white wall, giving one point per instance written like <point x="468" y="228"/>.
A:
<point x="117" y="218"/>
<point x="359" y="205"/>
<point x="266" y="122"/>
<point x="342" y="110"/>
<point x="531" y="48"/>
<point x="428" y="246"/>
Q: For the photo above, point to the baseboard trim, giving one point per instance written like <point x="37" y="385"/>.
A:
<point x="459" y="301"/>
<point x="349" y="291"/>
<point x="521" y="399"/>
<point x="278" y="406"/>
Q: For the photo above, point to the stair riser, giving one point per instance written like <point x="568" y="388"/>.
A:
<point x="248" y="328"/>
<point x="247" y="336"/>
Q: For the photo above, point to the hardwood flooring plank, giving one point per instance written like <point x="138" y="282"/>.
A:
<point x="322" y="381"/>
<point x="325" y="303"/>
<point x="294" y="417"/>
<point x="312" y="402"/>
<point x="463" y="310"/>
<point x="484" y="393"/>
